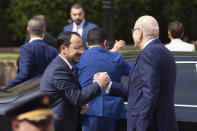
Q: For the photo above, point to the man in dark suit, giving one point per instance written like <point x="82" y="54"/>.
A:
<point x="103" y="112"/>
<point x="152" y="81"/>
<point x="79" y="25"/>
<point x="60" y="81"/>
<point x="35" y="55"/>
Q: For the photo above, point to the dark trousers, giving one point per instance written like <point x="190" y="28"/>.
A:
<point x="94" y="123"/>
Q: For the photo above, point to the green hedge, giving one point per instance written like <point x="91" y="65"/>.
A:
<point x="15" y="14"/>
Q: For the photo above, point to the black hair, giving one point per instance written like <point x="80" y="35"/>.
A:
<point x="96" y="36"/>
<point x="176" y="29"/>
<point x="77" y="6"/>
<point x="64" y="38"/>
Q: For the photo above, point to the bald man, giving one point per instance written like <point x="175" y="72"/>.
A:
<point x="152" y="82"/>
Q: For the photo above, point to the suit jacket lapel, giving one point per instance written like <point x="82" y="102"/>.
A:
<point x="70" y="71"/>
<point x="70" y="27"/>
<point x="84" y="30"/>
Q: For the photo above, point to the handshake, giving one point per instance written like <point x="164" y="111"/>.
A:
<point x="103" y="79"/>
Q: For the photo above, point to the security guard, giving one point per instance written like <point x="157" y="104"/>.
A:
<point x="32" y="115"/>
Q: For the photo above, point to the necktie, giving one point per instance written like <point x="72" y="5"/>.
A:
<point x="75" y="78"/>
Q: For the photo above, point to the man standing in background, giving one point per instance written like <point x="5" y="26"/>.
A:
<point x="35" y="55"/>
<point x="49" y="39"/>
<point x="80" y="24"/>
<point x="175" y="34"/>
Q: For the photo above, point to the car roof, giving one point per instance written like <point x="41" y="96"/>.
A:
<point x="19" y="93"/>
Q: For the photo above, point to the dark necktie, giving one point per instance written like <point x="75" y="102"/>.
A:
<point x="75" y="78"/>
<point x="78" y="85"/>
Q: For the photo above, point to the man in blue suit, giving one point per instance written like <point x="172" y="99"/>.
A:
<point x="104" y="111"/>
<point x="34" y="55"/>
<point x="60" y="82"/>
<point x="79" y="25"/>
<point x="152" y="82"/>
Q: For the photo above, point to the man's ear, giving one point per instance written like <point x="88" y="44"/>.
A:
<point x="87" y="44"/>
<point x="182" y="34"/>
<point x="105" y="44"/>
<point x="141" y="34"/>
<point x="170" y="35"/>
<point x="15" y="125"/>
<point x="27" y="30"/>
<point x="62" y="47"/>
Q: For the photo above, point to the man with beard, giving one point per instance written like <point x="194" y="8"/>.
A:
<point x="79" y="25"/>
<point x="60" y="82"/>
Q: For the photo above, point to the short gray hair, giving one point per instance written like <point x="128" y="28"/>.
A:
<point x="36" y="26"/>
<point x="149" y="25"/>
<point x="152" y="32"/>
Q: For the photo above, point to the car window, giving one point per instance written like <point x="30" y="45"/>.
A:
<point x="186" y="83"/>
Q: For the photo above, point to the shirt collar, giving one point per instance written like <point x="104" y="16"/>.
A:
<point x="37" y="38"/>
<point x="148" y="43"/>
<point x="80" y="25"/>
<point x="70" y="66"/>
<point x="175" y="40"/>
<point x="94" y="46"/>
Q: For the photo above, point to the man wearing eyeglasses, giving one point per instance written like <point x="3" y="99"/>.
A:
<point x="60" y="82"/>
<point x="152" y="81"/>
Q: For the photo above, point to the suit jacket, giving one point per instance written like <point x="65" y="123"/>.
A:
<point x="58" y="82"/>
<point x="179" y="45"/>
<point x="49" y="39"/>
<point x="151" y="90"/>
<point x="34" y="58"/>
<point x="86" y="27"/>
<point x="97" y="59"/>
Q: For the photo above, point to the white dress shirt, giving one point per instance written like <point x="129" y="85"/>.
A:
<point x="179" y="45"/>
<point x="78" y="28"/>
<point x="148" y="43"/>
<point x="70" y="66"/>
<point x="36" y="38"/>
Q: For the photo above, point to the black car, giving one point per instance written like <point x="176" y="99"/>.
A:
<point x="185" y="93"/>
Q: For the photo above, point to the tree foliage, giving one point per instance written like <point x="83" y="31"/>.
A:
<point x="17" y="12"/>
<point x="56" y="12"/>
